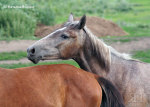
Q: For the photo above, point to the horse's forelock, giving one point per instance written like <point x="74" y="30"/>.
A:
<point x="71" y="25"/>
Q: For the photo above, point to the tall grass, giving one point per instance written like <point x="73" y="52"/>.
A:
<point x="16" y="24"/>
<point x="122" y="5"/>
<point x="22" y="22"/>
<point x="46" y="16"/>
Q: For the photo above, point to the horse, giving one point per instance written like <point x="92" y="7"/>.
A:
<point x="75" y="41"/>
<point x="59" y="85"/>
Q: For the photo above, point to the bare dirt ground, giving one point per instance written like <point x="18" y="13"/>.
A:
<point x="124" y="47"/>
<point x="15" y="45"/>
<point x="132" y="46"/>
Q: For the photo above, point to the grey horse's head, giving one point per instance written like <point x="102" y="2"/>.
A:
<point x="63" y="43"/>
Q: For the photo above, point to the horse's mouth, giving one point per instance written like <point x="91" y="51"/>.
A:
<point x="34" y="60"/>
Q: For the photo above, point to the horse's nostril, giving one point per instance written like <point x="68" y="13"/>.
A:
<point x="27" y="50"/>
<point x="33" y="51"/>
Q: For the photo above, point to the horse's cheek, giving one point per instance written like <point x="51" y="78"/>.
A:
<point x="69" y="51"/>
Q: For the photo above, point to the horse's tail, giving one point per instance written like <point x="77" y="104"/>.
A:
<point x="110" y="95"/>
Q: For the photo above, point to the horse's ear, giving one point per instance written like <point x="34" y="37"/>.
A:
<point x="70" y="19"/>
<point x="82" y="22"/>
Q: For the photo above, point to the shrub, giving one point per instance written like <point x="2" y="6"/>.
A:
<point x="46" y="16"/>
<point x="122" y="5"/>
<point x="16" y="24"/>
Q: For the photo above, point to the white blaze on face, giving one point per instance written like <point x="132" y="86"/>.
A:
<point x="44" y="40"/>
<point x="58" y="30"/>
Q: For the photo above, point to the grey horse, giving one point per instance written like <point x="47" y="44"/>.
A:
<point x="75" y="41"/>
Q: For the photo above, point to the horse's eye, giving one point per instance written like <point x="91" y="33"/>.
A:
<point x="64" y="36"/>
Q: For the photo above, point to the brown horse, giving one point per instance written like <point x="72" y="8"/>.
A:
<point x="75" y="41"/>
<point x="55" y="86"/>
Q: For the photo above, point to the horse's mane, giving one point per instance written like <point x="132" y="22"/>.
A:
<point x="103" y="51"/>
<point x="120" y="55"/>
<point x="100" y="50"/>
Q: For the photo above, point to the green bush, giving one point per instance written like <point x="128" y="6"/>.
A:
<point x="122" y="5"/>
<point x="16" y="24"/>
<point x="46" y="16"/>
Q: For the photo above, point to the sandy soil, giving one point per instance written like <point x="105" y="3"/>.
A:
<point x="21" y="45"/>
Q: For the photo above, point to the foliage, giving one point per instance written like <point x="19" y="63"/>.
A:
<point x="16" y="24"/>
<point x="46" y="16"/>
<point x="122" y="5"/>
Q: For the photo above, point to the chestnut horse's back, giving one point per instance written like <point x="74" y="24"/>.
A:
<point x="49" y="86"/>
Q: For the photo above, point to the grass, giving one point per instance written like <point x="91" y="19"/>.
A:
<point x="142" y="55"/>
<point x="136" y="21"/>
<point x="12" y="55"/>
<point x="11" y="66"/>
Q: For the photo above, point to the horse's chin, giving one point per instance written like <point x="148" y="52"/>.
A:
<point x="51" y="58"/>
<point x="34" y="60"/>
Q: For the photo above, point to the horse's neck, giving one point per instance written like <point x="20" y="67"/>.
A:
<point x="90" y="63"/>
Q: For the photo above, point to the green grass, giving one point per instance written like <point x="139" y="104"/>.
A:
<point x="12" y="55"/>
<point x="11" y="66"/>
<point x="142" y="55"/>
<point x="136" y="21"/>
